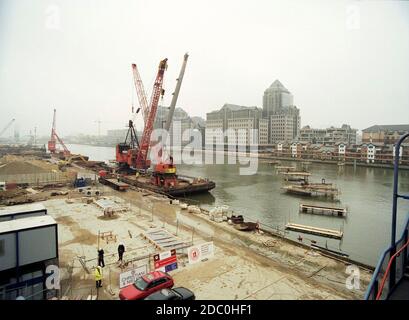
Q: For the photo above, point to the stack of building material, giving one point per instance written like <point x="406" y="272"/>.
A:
<point x="219" y="214"/>
<point x="163" y="239"/>
<point x="110" y="207"/>
<point x="194" y="209"/>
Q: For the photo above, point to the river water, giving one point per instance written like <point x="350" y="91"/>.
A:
<point x="366" y="192"/>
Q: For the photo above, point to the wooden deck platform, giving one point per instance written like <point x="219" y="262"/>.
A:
<point x="335" y="234"/>
<point x="311" y="191"/>
<point x="332" y="211"/>
<point x="297" y="173"/>
<point x="283" y="169"/>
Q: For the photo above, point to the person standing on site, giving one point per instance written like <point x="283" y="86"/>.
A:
<point x="121" y="250"/>
<point x="98" y="276"/>
<point x="101" y="261"/>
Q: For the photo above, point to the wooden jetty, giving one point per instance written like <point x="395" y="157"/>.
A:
<point x="271" y="162"/>
<point x="296" y="176"/>
<point x="311" y="191"/>
<point x="332" y="211"/>
<point x="329" y="233"/>
<point x="282" y="169"/>
<point x="297" y="173"/>
<point x="321" y="185"/>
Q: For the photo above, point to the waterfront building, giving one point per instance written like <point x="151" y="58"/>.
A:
<point x="329" y="136"/>
<point x="181" y="122"/>
<point x="263" y="132"/>
<point x="275" y="98"/>
<point x="239" y="123"/>
<point x="285" y="124"/>
<point x="384" y="134"/>
<point x="283" y="116"/>
<point x="342" y="151"/>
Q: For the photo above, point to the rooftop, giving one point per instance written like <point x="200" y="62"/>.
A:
<point x="387" y="127"/>
<point x="277" y="86"/>
<point x="26" y="223"/>
<point x="21" y="209"/>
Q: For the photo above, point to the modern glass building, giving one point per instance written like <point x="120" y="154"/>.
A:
<point x="275" y="98"/>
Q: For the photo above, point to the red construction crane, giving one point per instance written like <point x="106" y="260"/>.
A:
<point x="143" y="102"/>
<point x="142" y="161"/>
<point x="54" y="138"/>
<point x="127" y="154"/>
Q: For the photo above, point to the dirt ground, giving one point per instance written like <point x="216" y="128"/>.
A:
<point x="243" y="266"/>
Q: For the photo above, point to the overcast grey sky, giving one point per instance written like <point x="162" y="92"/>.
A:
<point x="344" y="61"/>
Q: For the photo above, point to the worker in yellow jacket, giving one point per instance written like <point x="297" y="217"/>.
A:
<point x="98" y="276"/>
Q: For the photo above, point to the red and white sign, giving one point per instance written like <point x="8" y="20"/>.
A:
<point x="200" y="252"/>
<point x="165" y="261"/>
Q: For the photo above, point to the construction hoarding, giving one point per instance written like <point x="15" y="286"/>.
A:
<point x="165" y="261"/>
<point x="128" y="277"/>
<point x="200" y="252"/>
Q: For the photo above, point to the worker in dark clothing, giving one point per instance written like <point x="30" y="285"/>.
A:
<point x="121" y="250"/>
<point x="101" y="257"/>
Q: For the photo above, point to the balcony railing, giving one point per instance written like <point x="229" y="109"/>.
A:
<point x="391" y="266"/>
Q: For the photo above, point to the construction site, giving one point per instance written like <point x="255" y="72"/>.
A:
<point x="256" y="264"/>
<point x="137" y="204"/>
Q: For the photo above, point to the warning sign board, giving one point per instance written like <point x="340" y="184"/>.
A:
<point x="165" y="261"/>
<point x="200" y="252"/>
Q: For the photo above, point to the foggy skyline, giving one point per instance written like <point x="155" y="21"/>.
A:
<point x="344" y="61"/>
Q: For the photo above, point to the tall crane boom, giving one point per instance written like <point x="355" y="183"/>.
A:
<point x="6" y="127"/>
<point x="52" y="143"/>
<point x="54" y="138"/>
<point x="143" y="101"/>
<point x="141" y="157"/>
<point x="176" y="93"/>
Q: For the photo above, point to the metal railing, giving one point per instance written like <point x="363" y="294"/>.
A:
<point x="382" y="273"/>
<point x="391" y="266"/>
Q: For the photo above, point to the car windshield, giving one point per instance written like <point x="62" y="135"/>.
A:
<point x="140" y="284"/>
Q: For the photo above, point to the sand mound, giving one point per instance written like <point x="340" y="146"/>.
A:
<point x="20" y="167"/>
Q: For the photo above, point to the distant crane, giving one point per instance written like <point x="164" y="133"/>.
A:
<point x="54" y="138"/>
<point x="6" y="127"/>
<point x="99" y="126"/>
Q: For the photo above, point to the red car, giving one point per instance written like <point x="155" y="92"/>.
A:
<point x="146" y="285"/>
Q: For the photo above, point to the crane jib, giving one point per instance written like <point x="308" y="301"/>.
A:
<point x="141" y="159"/>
